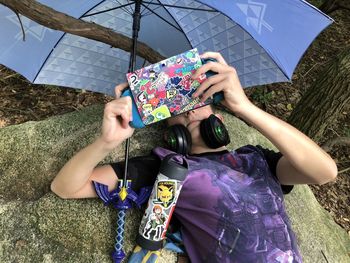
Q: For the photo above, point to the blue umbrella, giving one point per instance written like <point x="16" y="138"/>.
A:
<point x="264" y="40"/>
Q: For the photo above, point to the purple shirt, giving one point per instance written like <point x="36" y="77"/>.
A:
<point x="231" y="209"/>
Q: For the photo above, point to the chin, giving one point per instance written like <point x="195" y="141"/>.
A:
<point x="196" y="136"/>
<point x="194" y="129"/>
<point x="193" y="125"/>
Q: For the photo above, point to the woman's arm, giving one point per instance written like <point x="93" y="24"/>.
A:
<point x="74" y="179"/>
<point x="303" y="160"/>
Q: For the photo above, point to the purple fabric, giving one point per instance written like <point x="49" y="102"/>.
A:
<point x="228" y="194"/>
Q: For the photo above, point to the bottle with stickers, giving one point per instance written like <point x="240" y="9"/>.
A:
<point x="161" y="203"/>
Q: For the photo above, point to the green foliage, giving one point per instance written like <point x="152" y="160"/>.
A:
<point x="260" y="95"/>
<point x="347" y="131"/>
<point x="316" y="3"/>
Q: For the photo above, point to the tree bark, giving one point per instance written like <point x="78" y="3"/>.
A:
<point x="325" y="99"/>
<point x="53" y="19"/>
<point x="330" y="6"/>
<point x="327" y="146"/>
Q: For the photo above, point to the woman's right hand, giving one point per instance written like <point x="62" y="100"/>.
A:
<point x="226" y="80"/>
<point x="116" y="118"/>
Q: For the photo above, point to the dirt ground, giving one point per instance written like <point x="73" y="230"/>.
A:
<point x="22" y="101"/>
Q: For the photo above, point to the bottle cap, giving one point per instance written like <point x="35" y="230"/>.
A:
<point x="172" y="169"/>
<point x="148" y="244"/>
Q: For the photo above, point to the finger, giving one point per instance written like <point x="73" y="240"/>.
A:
<point x="119" y="89"/>
<point x="127" y="112"/>
<point x="213" y="66"/>
<point x="207" y="83"/>
<point x="118" y="107"/>
<point x="124" y="116"/>
<point x="111" y="112"/>
<point x="125" y="119"/>
<point x="116" y="104"/>
<point x="211" y="91"/>
<point x="214" y="55"/>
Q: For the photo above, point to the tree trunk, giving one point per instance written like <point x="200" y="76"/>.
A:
<point x="53" y="19"/>
<point x="325" y="99"/>
<point x="330" y="6"/>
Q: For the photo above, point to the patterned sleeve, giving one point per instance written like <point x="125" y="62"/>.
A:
<point x="142" y="170"/>
<point x="272" y="159"/>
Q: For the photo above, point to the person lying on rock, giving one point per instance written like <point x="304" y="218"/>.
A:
<point x="226" y="192"/>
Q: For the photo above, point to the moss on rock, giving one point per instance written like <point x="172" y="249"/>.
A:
<point x="37" y="226"/>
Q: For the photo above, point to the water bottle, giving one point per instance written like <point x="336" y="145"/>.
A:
<point x="161" y="203"/>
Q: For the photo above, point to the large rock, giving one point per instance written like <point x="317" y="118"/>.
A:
<point x="37" y="226"/>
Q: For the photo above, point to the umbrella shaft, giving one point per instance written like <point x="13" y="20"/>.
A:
<point x="135" y="33"/>
<point x="137" y="17"/>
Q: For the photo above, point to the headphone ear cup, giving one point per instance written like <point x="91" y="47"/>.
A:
<point x="214" y="132"/>
<point x="178" y="139"/>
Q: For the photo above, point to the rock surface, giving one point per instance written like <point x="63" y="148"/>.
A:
<point x="37" y="226"/>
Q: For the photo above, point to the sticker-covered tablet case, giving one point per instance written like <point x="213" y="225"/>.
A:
<point x="165" y="89"/>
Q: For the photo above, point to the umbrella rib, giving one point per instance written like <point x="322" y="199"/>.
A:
<point x="20" y="21"/>
<point x="63" y="35"/>
<point x="182" y="31"/>
<point x="107" y="10"/>
<point x="181" y="7"/>
<point x="166" y="21"/>
<point x="130" y="10"/>
<point x="143" y="14"/>
<point x="146" y="14"/>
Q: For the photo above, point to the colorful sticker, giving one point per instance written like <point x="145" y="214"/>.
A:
<point x="166" y="191"/>
<point x="160" y="208"/>
<point x="156" y="224"/>
<point x="165" y="89"/>
<point x="161" y="113"/>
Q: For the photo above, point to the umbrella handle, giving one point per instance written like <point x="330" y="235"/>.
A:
<point x="118" y="253"/>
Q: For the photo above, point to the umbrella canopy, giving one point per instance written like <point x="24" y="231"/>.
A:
<point x="264" y="40"/>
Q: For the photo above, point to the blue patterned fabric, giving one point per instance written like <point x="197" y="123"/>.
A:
<point x="263" y="40"/>
<point x="231" y="210"/>
<point x="141" y="255"/>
